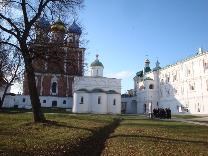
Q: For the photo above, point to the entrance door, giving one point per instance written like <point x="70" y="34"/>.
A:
<point x="54" y="103"/>
<point x="134" y="107"/>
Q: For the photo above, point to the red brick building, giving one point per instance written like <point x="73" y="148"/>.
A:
<point x="59" y="58"/>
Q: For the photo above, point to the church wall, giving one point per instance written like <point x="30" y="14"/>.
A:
<point x="78" y="106"/>
<point x="99" y="108"/>
<point x="46" y="85"/>
<point x="114" y="108"/>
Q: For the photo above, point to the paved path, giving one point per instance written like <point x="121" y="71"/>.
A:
<point x="197" y="121"/>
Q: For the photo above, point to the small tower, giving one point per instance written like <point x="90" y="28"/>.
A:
<point x="74" y="33"/>
<point x="146" y="66"/>
<point x="58" y="32"/>
<point x="42" y="27"/>
<point x="157" y="66"/>
<point x="97" y="68"/>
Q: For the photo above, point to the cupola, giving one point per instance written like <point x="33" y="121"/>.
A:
<point x="58" y="26"/>
<point x="75" y="29"/>
<point x="97" y="67"/>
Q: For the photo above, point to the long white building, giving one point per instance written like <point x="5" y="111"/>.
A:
<point x="182" y="87"/>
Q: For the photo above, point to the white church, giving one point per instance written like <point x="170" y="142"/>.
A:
<point x="95" y="93"/>
<point x="182" y="87"/>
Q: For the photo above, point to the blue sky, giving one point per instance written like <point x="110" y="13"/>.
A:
<point x="123" y="32"/>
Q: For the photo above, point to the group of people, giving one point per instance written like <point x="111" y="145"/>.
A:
<point x="162" y="113"/>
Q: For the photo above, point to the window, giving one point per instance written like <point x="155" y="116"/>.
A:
<point x="82" y="100"/>
<point x="192" y="87"/>
<point x="151" y="86"/>
<point x="168" y="79"/>
<point x="64" y="102"/>
<point x="174" y="78"/>
<point x="23" y="100"/>
<point x="54" y="85"/>
<point x="114" y="102"/>
<point x="44" y="101"/>
<point x="99" y="99"/>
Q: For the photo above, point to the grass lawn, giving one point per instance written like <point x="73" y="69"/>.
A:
<point x="186" y="116"/>
<point x="141" y="136"/>
<point x="67" y="134"/>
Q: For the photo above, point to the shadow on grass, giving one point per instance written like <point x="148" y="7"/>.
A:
<point x="92" y="145"/>
<point x="50" y="123"/>
<point x="160" y="139"/>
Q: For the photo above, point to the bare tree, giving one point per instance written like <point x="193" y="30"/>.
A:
<point x="10" y="68"/>
<point x="17" y="23"/>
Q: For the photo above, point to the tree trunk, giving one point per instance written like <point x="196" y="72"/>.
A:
<point x="34" y="97"/>
<point x="4" y="94"/>
<point x="38" y="116"/>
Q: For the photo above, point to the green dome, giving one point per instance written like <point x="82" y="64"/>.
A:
<point x="96" y="63"/>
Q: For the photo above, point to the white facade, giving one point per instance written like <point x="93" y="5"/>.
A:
<point x="97" y="94"/>
<point x="23" y="101"/>
<point x="182" y="87"/>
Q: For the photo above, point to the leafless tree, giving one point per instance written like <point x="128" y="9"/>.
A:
<point x="17" y="20"/>
<point x="10" y="69"/>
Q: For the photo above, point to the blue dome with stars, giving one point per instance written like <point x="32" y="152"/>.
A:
<point x="74" y="28"/>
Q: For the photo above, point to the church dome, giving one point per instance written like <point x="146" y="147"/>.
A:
<point x="96" y="63"/>
<point x="58" y="26"/>
<point x="74" y="28"/>
<point x="42" y="23"/>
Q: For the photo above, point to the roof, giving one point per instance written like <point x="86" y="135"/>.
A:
<point x="97" y="90"/>
<point x="96" y="63"/>
<point x="140" y="73"/>
<point x="148" y="78"/>
<point x="74" y="28"/>
<point x="147" y="69"/>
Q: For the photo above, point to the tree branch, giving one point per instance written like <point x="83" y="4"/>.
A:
<point x="11" y="44"/>
<point x="11" y="23"/>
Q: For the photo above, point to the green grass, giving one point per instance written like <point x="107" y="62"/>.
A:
<point x="67" y="131"/>
<point x="140" y="136"/>
<point x="77" y="134"/>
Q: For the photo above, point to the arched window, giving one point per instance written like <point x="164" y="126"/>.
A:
<point x="82" y="100"/>
<point x="114" y="102"/>
<point x="54" y="85"/>
<point x="99" y="99"/>
<point x="64" y="102"/>
<point x="151" y="86"/>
